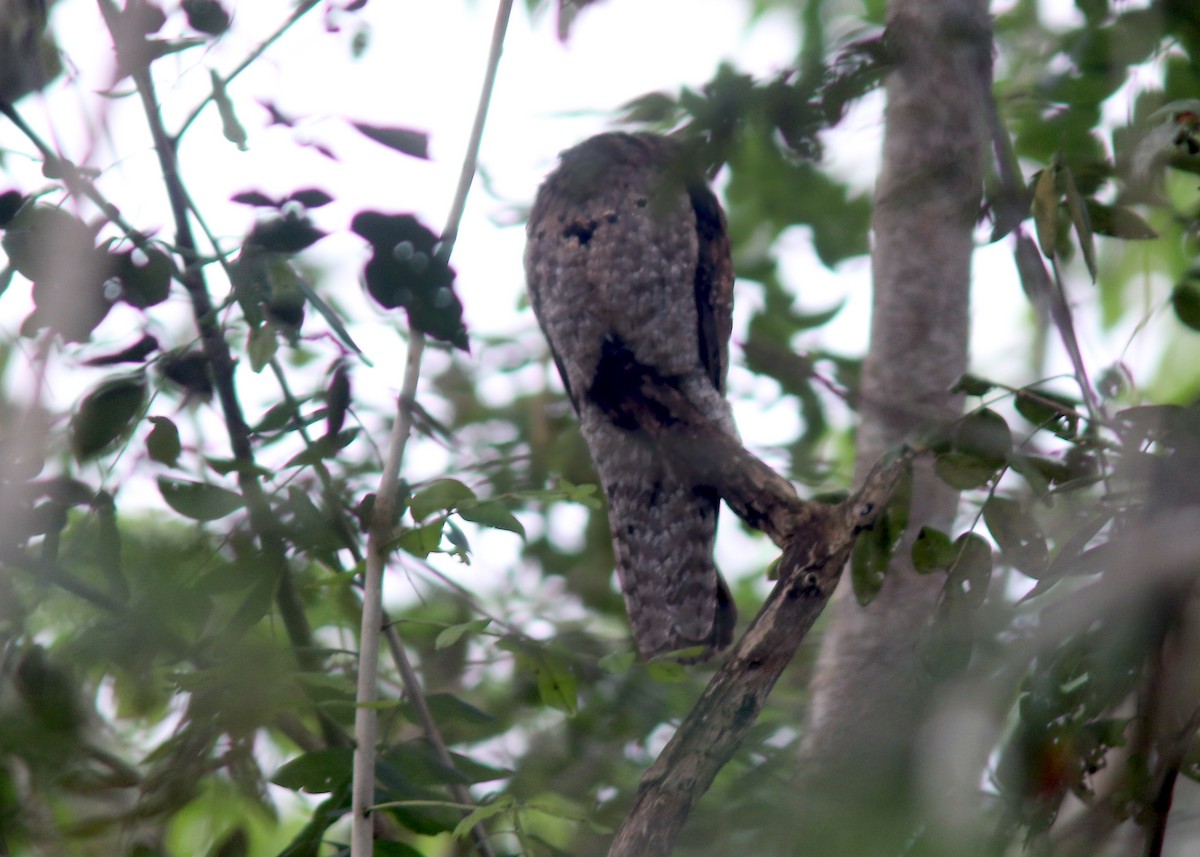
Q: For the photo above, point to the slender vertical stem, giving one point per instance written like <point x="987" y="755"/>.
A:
<point x="382" y="520"/>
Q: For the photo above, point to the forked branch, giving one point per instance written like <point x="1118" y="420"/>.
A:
<point x="816" y="540"/>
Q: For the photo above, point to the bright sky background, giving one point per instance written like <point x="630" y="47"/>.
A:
<point x="422" y="69"/>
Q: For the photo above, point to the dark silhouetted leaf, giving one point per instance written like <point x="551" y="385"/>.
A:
<point x="405" y="271"/>
<point x="199" y="500"/>
<point x="163" y="443"/>
<point x="337" y="399"/>
<point x="188" y="369"/>
<point x="284" y="234"/>
<point x="1185" y="300"/>
<point x="973" y="385"/>
<point x="106" y="414"/>
<point x="255" y="198"/>
<point x="311" y="197"/>
<point x="414" y="143"/>
<point x="207" y="16"/>
<point x="10" y="202"/>
<point x="136" y="353"/>
<point x="145" y="276"/>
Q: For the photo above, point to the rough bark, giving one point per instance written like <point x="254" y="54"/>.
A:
<point x="816" y="541"/>
<point x="866" y="695"/>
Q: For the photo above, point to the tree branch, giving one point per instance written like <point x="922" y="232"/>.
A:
<point x="816" y="541"/>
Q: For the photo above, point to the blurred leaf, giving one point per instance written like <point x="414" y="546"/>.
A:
<point x="973" y="385"/>
<point x="424" y="540"/>
<point x="284" y="234"/>
<point x="1185" y="300"/>
<point x="449" y="636"/>
<point x="1049" y="410"/>
<point x="1045" y="209"/>
<point x="869" y="561"/>
<point x="261" y="346"/>
<point x="964" y="472"/>
<point x="492" y="514"/>
<point x="200" y="501"/>
<point x="255" y="198"/>
<point x="405" y="270"/>
<point x="136" y="353"/>
<point x="163" y="442"/>
<point x="207" y="16"/>
<point x="1017" y="533"/>
<point x="984" y="435"/>
<point x="404" y="140"/>
<point x="106" y="414"/>
<point x="932" y="550"/>
<point x="10" y="203"/>
<point x="967" y="582"/>
<point x="231" y="127"/>
<point x="1079" y="217"/>
<point x="317" y="771"/>
<point x="442" y="495"/>
<point x="311" y="197"/>
<point x="1118" y="221"/>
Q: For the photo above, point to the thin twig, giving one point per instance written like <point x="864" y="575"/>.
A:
<point x="380" y="535"/>
<point x="258" y="51"/>
<point x="382" y="523"/>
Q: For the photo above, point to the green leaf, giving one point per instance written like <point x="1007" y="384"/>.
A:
<point x="1119" y="221"/>
<point x="449" y="636"/>
<point x="392" y="848"/>
<point x="1017" y="533"/>
<point x="962" y="471"/>
<point x="869" y="560"/>
<point x="230" y="126"/>
<point x="317" y="771"/>
<point x="440" y="496"/>
<point x="932" y="550"/>
<point x="424" y="540"/>
<point x="617" y="663"/>
<point x="973" y="385"/>
<point x="491" y="513"/>
<point x="1045" y="209"/>
<point x="1079" y="217"/>
<point x="261" y="346"/>
<point x="984" y="435"/>
<point x="163" y="442"/>
<point x="1185" y="300"/>
<point x="670" y="671"/>
<point x="1049" y="410"/>
<point x="556" y="683"/>
<point x="106" y="414"/>
<point x="502" y="804"/>
<point x="199" y="500"/>
<point x="967" y="582"/>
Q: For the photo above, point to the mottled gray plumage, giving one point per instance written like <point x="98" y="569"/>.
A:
<point x="628" y="264"/>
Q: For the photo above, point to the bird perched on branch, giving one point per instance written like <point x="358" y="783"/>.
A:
<point x="631" y="280"/>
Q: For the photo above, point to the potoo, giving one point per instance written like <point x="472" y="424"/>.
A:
<point x="628" y="266"/>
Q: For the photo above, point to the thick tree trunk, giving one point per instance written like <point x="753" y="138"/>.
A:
<point x="866" y="696"/>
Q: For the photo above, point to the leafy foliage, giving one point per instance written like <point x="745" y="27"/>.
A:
<point x="178" y="597"/>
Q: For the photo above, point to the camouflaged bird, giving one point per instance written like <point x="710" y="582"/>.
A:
<point x="628" y="265"/>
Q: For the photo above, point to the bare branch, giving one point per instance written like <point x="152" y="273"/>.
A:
<point x="816" y="541"/>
